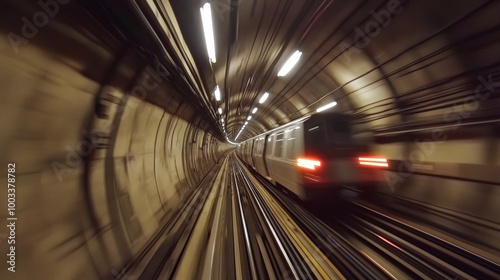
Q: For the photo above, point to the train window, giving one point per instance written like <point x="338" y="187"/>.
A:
<point x="315" y="137"/>
<point x="278" y="146"/>
<point x="261" y="147"/>
<point x="269" y="145"/>
<point x="290" y="144"/>
<point x="323" y="134"/>
<point x="340" y="131"/>
<point x="256" y="148"/>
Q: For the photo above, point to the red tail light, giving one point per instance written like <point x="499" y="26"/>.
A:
<point x="373" y="161"/>
<point x="308" y="163"/>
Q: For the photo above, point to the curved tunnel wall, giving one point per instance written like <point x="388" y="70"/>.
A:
<point x="90" y="209"/>
<point x="452" y="169"/>
<point x="104" y="146"/>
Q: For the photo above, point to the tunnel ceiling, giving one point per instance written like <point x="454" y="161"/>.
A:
<point x="386" y="62"/>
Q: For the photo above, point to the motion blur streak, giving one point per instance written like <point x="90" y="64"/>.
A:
<point x="108" y="112"/>
<point x="308" y="163"/>
<point x="381" y="162"/>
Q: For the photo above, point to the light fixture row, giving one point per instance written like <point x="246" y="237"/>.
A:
<point x="206" y="16"/>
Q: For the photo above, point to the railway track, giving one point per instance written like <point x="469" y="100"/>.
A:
<point x="232" y="228"/>
<point x="239" y="226"/>
<point x="303" y="258"/>
<point x="424" y="255"/>
<point x="352" y="262"/>
<point x="370" y="238"/>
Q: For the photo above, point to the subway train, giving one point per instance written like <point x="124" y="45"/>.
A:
<point x="313" y="156"/>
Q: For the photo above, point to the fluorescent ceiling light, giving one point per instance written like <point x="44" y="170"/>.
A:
<point x="290" y="63"/>
<point x="254" y="110"/>
<point x="263" y="98"/>
<point x="206" y="17"/>
<point x="222" y="120"/>
<point x="220" y="111"/>
<point x="246" y="123"/>
<point x="217" y="93"/>
<point x="249" y="118"/>
<point x="327" y="106"/>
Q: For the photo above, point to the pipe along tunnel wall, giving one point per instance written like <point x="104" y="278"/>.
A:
<point x="84" y="210"/>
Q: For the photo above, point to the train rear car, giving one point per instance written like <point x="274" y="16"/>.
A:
<point x="334" y="158"/>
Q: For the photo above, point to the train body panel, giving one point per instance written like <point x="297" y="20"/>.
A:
<point x="330" y="141"/>
<point x="259" y="156"/>
<point x="246" y="150"/>
<point x="287" y="143"/>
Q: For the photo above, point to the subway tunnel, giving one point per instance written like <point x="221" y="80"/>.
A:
<point x="116" y="122"/>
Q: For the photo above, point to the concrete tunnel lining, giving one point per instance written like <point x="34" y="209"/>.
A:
<point x="92" y="211"/>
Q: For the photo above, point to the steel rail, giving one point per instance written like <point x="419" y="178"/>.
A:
<point x="351" y="262"/>
<point x="465" y="260"/>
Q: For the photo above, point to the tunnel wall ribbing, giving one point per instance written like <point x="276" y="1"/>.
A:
<point x="104" y="143"/>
